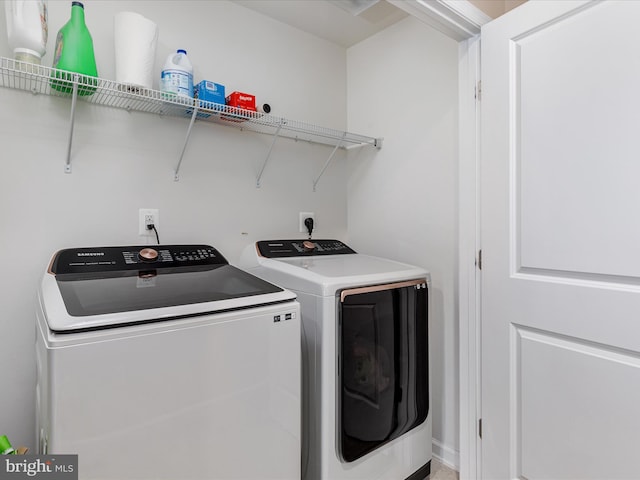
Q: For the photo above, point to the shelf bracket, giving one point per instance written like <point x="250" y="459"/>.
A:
<point x="186" y="141"/>
<point x="74" y="97"/>
<point x="273" y="142"/>
<point x="326" y="164"/>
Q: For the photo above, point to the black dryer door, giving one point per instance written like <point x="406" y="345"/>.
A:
<point x="383" y="365"/>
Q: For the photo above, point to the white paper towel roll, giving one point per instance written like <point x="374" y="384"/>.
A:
<point x="136" y="38"/>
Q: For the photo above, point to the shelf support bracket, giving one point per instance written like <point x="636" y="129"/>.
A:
<point x="326" y="164"/>
<point x="176" y="177"/>
<point x="74" y="97"/>
<point x="273" y="142"/>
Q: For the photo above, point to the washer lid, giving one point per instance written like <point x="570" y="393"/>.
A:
<point x="108" y="286"/>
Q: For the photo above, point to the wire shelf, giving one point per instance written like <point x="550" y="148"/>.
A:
<point x="43" y="80"/>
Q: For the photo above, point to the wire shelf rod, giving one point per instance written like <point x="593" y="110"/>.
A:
<point x="275" y="137"/>
<point x="74" y="97"/>
<point x="315" y="183"/>
<point x="186" y="141"/>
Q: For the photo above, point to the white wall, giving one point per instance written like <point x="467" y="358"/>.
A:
<point x="124" y="161"/>
<point x="402" y="201"/>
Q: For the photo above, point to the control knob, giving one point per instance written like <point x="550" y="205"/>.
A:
<point x="308" y="245"/>
<point x="148" y="255"/>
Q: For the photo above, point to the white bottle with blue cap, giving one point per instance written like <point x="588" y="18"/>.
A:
<point x="177" y="75"/>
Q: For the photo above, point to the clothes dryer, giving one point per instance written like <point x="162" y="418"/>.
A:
<point x="365" y="358"/>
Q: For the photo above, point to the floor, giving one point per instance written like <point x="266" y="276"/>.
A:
<point x="442" y="472"/>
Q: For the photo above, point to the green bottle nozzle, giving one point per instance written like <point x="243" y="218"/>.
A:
<point x="5" y="446"/>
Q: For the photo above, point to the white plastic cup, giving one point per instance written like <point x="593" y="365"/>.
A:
<point x="136" y="40"/>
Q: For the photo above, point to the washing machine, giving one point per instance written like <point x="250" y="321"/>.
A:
<point x="167" y="363"/>
<point x="365" y="358"/>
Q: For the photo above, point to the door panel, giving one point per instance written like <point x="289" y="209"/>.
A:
<point x="573" y="85"/>
<point x="561" y="246"/>
<point x="560" y="408"/>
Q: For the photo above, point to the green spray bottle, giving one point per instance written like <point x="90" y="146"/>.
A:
<point x="74" y="53"/>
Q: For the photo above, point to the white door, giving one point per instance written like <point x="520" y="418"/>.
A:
<point x="560" y="216"/>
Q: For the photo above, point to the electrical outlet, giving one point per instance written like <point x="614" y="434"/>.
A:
<point x="302" y="228"/>
<point x="148" y="216"/>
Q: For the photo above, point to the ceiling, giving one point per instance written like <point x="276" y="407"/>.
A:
<point x="344" y="22"/>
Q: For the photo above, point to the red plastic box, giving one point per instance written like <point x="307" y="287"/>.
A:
<point x="242" y="100"/>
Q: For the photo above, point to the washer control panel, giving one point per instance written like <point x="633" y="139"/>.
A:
<point x="299" y="248"/>
<point x="112" y="259"/>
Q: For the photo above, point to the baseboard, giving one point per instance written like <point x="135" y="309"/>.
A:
<point x="446" y="455"/>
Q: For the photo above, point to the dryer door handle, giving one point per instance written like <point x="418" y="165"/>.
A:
<point x="420" y="283"/>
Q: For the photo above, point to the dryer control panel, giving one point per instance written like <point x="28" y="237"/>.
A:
<point x="301" y="248"/>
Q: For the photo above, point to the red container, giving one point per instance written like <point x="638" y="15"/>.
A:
<point x="242" y="100"/>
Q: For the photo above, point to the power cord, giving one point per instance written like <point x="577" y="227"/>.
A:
<point x="151" y="226"/>
<point x="308" y="222"/>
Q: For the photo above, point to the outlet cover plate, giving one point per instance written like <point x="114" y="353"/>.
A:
<point x="142" y="225"/>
